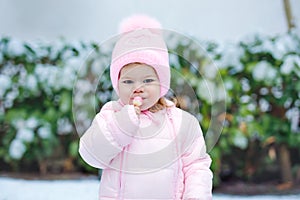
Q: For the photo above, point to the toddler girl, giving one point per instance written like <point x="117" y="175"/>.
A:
<point x="147" y="147"/>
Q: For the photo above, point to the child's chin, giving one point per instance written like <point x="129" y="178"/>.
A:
<point x="144" y="107"/>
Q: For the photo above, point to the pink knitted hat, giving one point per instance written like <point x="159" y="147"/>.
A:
<point x="141" y="41"/>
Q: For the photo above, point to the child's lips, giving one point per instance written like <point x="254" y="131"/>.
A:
<point x="132" y="98"/>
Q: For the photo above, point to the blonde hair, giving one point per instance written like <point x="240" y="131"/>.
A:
<point x="162" y="104"/>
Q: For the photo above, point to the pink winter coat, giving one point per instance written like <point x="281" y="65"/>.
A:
<point x="158" y="155"/>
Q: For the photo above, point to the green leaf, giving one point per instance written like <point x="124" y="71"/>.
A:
<point x="73" y="148"/>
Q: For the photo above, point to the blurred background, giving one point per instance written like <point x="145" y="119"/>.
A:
<point x="98" y="20"/>
<point x="255" y="45"/>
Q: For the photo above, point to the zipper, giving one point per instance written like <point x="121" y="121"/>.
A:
<point x="121" y="187"/>
<point x="176" y="175"/>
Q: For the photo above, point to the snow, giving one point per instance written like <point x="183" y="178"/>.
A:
<point x="81" y="189"/>
<point x="18" y="189"/>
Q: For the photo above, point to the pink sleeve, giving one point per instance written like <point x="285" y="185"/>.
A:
<point x="196" y="168"/>
<point x="107" y="136"/>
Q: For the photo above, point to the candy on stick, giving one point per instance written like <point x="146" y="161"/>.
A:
<point x="137" y="101"/>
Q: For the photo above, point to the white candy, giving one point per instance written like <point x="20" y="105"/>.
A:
<point x="137" y="101"/>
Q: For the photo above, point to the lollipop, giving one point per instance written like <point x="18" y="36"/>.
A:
<point x="137" y="101"/>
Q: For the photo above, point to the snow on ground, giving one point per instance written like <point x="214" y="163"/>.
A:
<point x="83" y="189"/>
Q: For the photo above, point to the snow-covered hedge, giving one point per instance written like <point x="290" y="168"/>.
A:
<point x="261" y="76"/>
<point x="36" y="84"/>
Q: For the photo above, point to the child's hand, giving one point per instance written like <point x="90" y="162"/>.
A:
<point x="126" y="120"/>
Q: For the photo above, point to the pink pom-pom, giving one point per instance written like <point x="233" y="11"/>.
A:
<point x="138" y="22"/>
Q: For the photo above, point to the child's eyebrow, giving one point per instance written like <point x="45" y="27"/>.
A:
<point x="143" y="76"/>
<point x="149" y="75"/>
<point x="125" y="77"/>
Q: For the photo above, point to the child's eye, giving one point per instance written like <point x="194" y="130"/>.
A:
<point x="127" y="81"/>
<point x="148" y="80"/>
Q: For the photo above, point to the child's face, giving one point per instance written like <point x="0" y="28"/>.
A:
<point x="139" y="80"/>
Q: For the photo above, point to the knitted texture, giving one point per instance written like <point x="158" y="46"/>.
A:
<point x="141" y="41"/>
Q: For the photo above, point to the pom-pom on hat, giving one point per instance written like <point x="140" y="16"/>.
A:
<point x="141" y="41"/>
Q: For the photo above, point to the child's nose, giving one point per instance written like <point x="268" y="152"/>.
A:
<point x="139" y="88"/>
